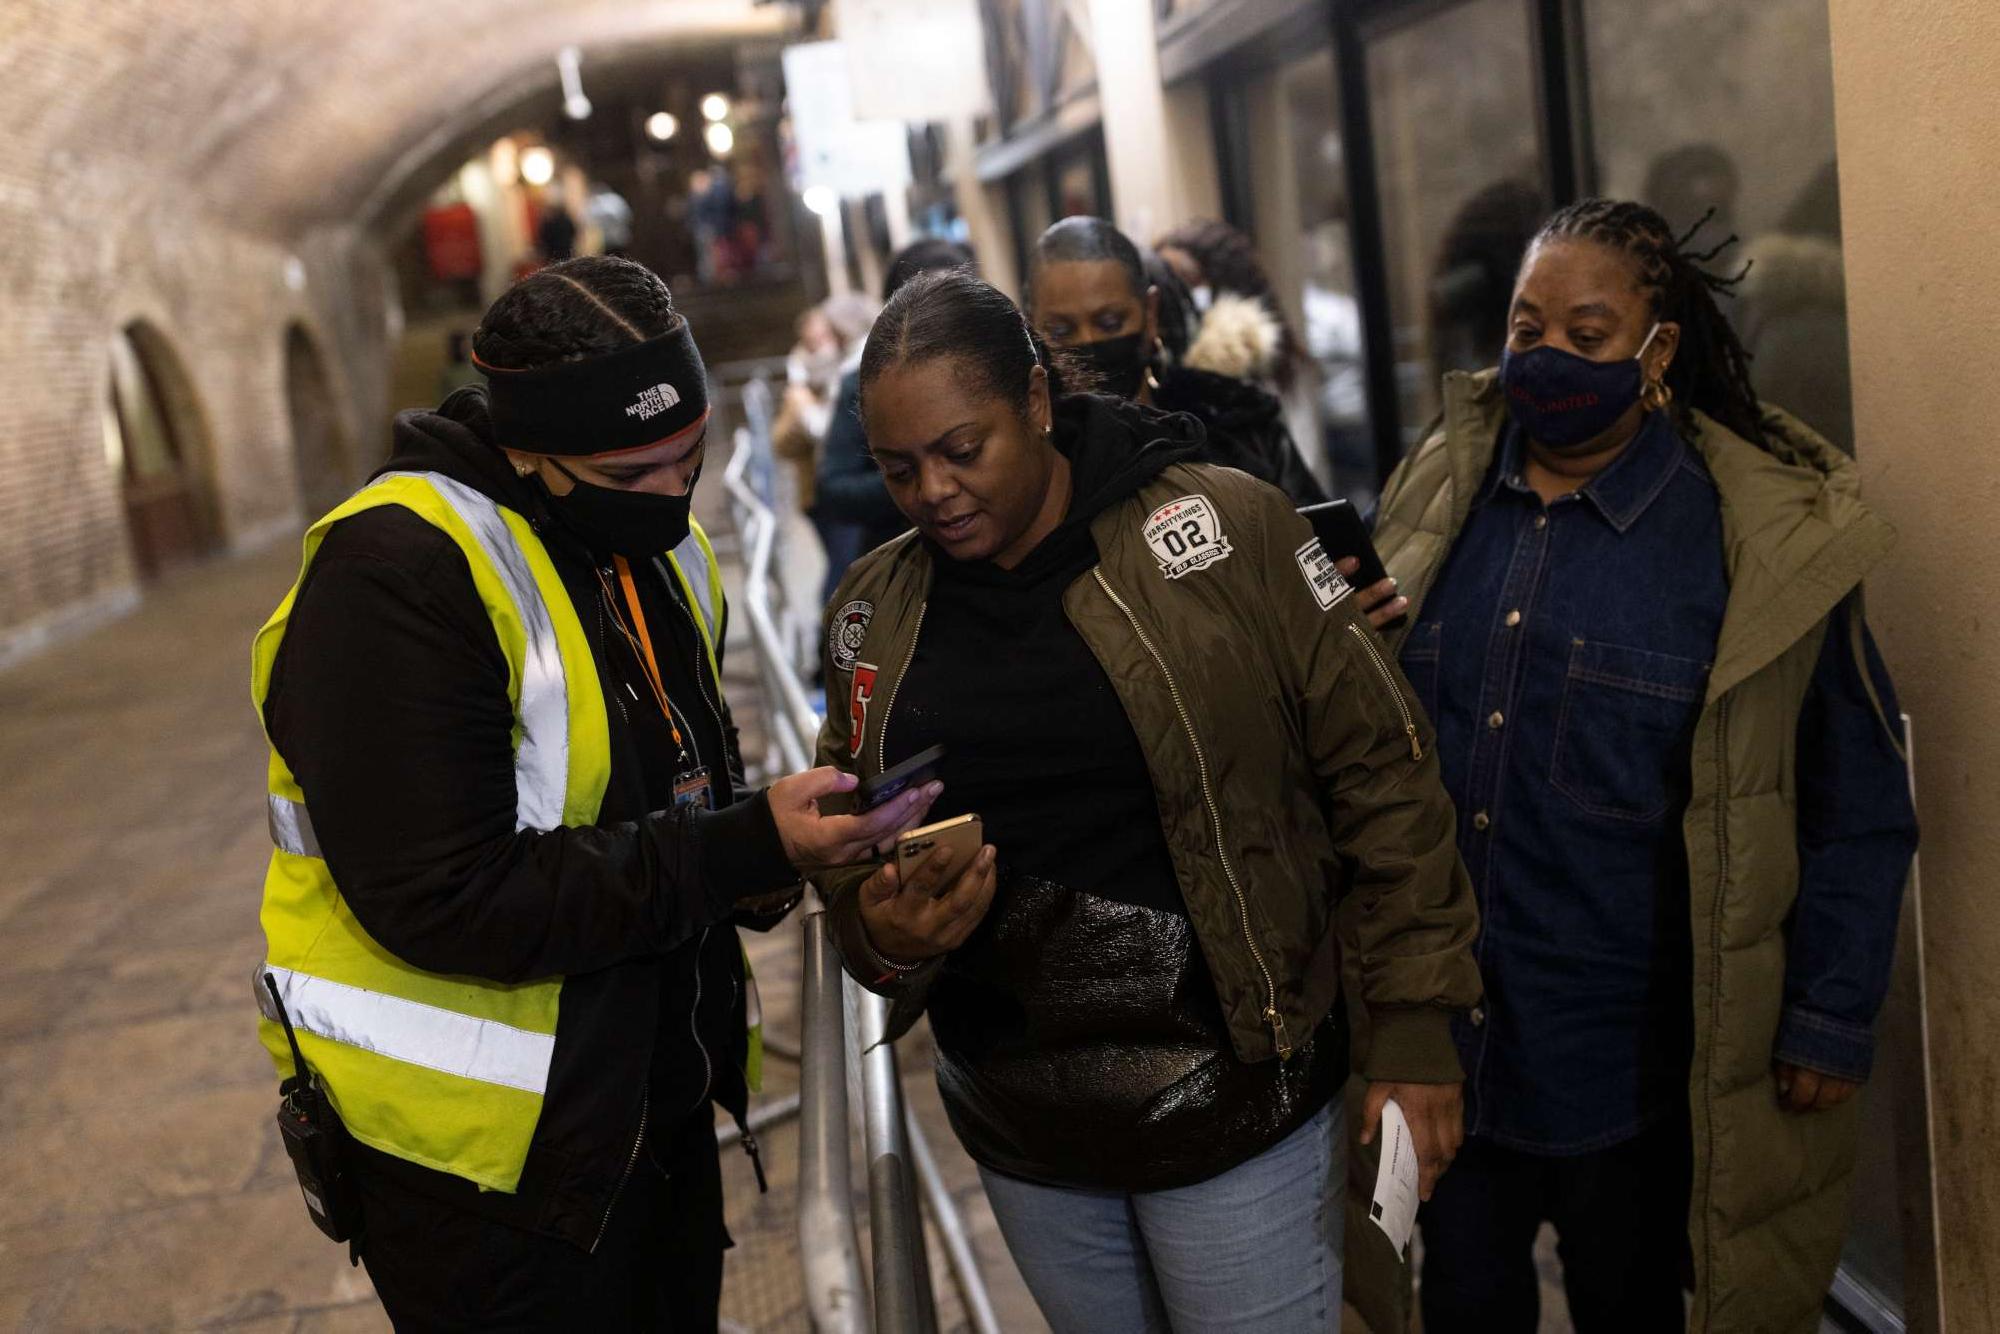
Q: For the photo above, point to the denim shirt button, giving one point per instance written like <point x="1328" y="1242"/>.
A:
<point x="1513" y="618"/>
<point x="1482" y="821"/>
<point x="1541" y="522"/>
<point x="1496" y="720"/>
<point x="1477" y="1016"/>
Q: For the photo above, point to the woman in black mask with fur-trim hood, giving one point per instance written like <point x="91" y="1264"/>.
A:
<point x="1093" y="294"/>
<point x="513" y="837"/>
<point x="1125" y="317"/>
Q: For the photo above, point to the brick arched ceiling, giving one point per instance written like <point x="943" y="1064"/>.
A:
<point x="279" y="117"/>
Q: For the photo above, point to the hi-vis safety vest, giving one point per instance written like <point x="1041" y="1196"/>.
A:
<point x="448" y="1071"/>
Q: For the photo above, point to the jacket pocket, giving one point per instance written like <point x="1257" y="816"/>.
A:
<point x="1623" y="729"/>
<point x="1422" y="651"/>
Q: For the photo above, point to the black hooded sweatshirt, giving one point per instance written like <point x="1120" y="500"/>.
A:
<point x="389" y="701"/>
<point x="1080" y="1042"/>
<point x="1246" y="429"/>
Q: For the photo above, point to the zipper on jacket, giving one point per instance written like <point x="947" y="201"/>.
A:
<point x="631" y="1161"/>
<point x="1271" y="1016"/>
<point x="882" y="728"/>
<point x="694" y="1025"/>
<point x="604" y="657"/>
<point x="1389" y="680"/>
<point x="1704" y="1189"/>
<point x="750" y="1147"/>
<point x="749" y="1140"/>
<point x="701" y="682"/>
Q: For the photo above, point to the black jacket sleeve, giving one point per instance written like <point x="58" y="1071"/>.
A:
<point x="389" y="702"/>
<point x="1290" y="472"/>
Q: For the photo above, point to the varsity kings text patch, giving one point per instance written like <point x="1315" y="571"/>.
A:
<point x="1185" y="536"/>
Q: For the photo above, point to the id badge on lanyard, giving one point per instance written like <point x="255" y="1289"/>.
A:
<point x="692" y="788"/>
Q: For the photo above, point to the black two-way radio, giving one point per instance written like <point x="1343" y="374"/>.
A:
<point x="314" y="1138"/>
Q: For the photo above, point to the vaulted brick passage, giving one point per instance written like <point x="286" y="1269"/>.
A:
<point x="220" y="175"/>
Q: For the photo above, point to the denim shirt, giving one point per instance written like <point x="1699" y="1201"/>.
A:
<point x="1563" y="655"/>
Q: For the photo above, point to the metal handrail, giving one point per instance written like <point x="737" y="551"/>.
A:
<point x="898" y="1153"/>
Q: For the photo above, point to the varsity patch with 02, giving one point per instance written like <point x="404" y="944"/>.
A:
<point x="1185" y="536"/>
<point x="1328" y="588"/>
<point x="845" y="633"/>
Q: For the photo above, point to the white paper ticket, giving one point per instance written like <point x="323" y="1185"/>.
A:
<point x="1394" y="1206"/>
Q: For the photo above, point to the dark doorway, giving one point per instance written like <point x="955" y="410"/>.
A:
<point x="162" y="451"/>
<point x="319" y="446"/>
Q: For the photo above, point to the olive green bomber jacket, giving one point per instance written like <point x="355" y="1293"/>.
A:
<point x="1297" y="788"/>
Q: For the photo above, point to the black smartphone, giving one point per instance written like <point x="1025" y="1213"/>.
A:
<point x="1340" y="530"/>
<point x="920" y="768"/>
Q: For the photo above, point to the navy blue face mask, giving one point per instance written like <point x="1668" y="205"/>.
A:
<point x="1562" y="400"/>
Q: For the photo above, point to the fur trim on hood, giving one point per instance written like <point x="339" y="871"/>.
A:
<point x="1238" y="338"/>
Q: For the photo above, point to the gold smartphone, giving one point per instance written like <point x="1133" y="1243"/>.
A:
<point x="958" y="841"/>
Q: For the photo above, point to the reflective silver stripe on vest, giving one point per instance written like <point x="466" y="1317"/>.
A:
<point x="541" y="764"/>
<point x="694" y="564"/>
<point x="406" y="1030"/>
<point x="291" y="827"/>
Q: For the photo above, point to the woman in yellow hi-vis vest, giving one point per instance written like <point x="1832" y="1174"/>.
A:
<point x="512" y="840"/>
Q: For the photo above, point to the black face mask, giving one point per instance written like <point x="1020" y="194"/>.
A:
<point x="637" y="525"/>
<point x="1119" y="364"/>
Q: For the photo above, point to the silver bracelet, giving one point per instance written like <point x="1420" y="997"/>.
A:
<point x="876" y="956"/>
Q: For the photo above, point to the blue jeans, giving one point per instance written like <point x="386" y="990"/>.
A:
<point x="1253" y="1251"/>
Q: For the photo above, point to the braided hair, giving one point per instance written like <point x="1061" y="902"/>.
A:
<point x="1712" y="370"/>
<point x="579" y="308"/>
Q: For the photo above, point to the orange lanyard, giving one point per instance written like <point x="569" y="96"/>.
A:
<point x="643" y="642"/>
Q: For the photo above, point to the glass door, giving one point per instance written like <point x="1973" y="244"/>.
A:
<point x="1454" y="110"/>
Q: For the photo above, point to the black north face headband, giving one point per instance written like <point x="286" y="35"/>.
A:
<point x="634" y="398"/>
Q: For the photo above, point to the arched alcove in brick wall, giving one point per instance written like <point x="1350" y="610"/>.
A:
<point x="321" y="449"/>
<point x="157" y="442"/>
<point x="230" y="164"/>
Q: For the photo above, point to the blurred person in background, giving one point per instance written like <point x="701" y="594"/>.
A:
<point x="458" y="372"/>
<point x="1202" y="785"/>
<point x="751" y="222"/>
<point x="1090" y="293"/>
<point x="699" y="214"/>
<point x="514" y="840"/>
<point x="1693" y="185"/>
<point x="1243" y="330"/>
<point x="850" y="505"/>
<point x="1793" y="310"/>
<point x="555" y="229"/>
<point x="610" y="217"/>
<point x="829" y="345"/>
<point x="1254" y="341"/>
<point x="1639" y="631"/>
<point x="1472" y="283"/>
<point x="1333" y="339"/>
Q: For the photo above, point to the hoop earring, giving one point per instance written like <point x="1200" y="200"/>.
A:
<point x="1655" y="396"/>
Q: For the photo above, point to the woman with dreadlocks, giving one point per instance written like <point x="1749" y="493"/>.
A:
<point x="1636" y="622"/>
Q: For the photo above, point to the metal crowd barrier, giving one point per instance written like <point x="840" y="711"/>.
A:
<point x="842" y="1025"/>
